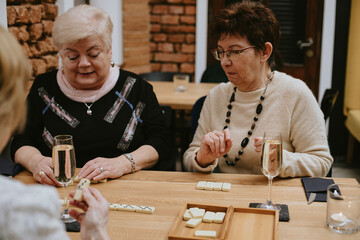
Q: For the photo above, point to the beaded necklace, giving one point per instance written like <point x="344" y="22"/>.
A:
<point x="245" y="141"/>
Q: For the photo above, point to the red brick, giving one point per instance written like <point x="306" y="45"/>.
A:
<point x="23" y="33"/>
<point x="188" y="19"/>
<point x="155" y="67"/>
<point x="170" y="57"/>
<point x="191" y="58"/>
<point x="36" y="31"/>
<point x="190" y="38"/>
<point x="170" y="19"/>
<point x="11" y="15"/>
<point x="14" y="31"/>
<point x="36" y="13"/>
<point x="39" y="66"/>
<point x="190" y="10"/>
<point x="159" y="9"/>
<point x="165" y="47"/>
<point x="176" y="9"/>
<point x="169" y="67"/>
<point x="153" y="46"/>
<point x="51" y="11"/>
<point x="177" y="38"/>
<point x="47" y="26"/>
<point x="188" y="28"/>
<point x="46" y="46"/>
<point x="187" y="68"/>
<point x="155" y="18"/>
<point x="171" y="28"/>
<point x="188" y="48"/>
<point x="159" y="37"/>
<point x="51" y="61"/>
<point x="189" y="1"/>
<point x="26" y="48"/>
<point x="155" y="28"/>
<point x="22" y="14"/>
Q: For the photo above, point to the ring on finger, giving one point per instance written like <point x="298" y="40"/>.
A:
<point x="101" y="169"/>
<point x="41" y="173"/>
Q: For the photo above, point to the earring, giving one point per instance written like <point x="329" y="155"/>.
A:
<point x="112" y="63"/>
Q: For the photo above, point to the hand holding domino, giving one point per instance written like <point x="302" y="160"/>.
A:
<point x="84" y="183"/>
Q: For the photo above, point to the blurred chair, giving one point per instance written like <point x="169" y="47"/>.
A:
<point x="327" y="105"/>
<point x="170" y="164"/>
<point x="214" y="74"/>
<point x="195" y="113"/>
<point x="162" y="76"/>
<point x="352" y="83"/>
<point x="328" y="102"/>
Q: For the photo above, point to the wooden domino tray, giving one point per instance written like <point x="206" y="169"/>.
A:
<point x="239" y="223"/>
<point x="180" y="232"/>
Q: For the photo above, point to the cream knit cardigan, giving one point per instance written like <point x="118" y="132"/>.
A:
<point x="289" y="107"/>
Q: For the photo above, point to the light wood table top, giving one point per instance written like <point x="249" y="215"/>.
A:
<point x="166" y="94"/>
<point x="169" y="191"/>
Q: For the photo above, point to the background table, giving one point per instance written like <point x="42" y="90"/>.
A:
<point x="166" y="94"/>
<point x="169" y="191"/>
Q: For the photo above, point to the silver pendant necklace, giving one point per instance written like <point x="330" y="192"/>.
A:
<point x="89" y="111"/>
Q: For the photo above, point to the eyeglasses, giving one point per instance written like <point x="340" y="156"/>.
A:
<point x="231" y="54"/>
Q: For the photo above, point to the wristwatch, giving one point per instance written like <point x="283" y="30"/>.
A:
<point x="130" y="158"/>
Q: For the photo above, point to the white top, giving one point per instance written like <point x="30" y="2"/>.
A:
<point x="29" y="212"/>
<point x="289" y="107"/>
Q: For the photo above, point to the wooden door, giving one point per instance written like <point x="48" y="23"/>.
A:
<point x="300" y="42"/>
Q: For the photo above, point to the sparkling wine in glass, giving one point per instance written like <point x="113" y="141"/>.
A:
<point x="64" y="164"/>
<point x="271" y="162"/>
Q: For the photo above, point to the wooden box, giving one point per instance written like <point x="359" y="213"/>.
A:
<point x="253" y="223"/>
<point x="180" y="232"/>
<point x="239" y="223"/>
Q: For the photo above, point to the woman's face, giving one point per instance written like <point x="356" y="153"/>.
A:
<point x="86" y="63"/>
<point x="242" y="69"/>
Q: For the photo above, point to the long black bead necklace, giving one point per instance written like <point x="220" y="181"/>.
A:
<point x="245" y="141"/>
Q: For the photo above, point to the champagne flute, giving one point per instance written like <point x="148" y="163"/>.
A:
<point x="64" y="164"/>
<point x="271" y="162"/>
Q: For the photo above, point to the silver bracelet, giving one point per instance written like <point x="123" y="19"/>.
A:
<point x="130" y="158"/>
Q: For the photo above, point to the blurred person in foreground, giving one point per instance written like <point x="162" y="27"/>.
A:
<point x="33" y="211"/>
<point x="113" y="115"/>
<point x="257" y="98"/>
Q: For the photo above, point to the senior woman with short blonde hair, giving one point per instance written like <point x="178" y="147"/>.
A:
<point x="112" y="114"/>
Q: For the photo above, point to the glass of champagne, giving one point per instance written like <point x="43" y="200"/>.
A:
<point x="271" y="162"/>
<point x="64" y="164"/>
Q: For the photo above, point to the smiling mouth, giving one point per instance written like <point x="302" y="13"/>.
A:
<point x="86" y="73"/>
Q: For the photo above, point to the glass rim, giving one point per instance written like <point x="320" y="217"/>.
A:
<point x="63" y="136"/>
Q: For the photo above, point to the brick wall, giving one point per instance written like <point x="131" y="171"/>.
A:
<point x="173" y="35"/>
<point x="31" y="22"/>
<point x="158" y="35"/>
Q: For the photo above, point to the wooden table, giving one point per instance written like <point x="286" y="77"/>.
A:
<point x="166" y="94"/>
<point x="169" y="191"/>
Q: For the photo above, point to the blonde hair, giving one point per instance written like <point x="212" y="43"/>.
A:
<point x="15" y="72"/>
<point x="81" y="22"/>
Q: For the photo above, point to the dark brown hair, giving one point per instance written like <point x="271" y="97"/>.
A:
<point x="251" y="20"/>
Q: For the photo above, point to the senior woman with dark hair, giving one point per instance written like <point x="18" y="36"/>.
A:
<point x="256" y="98"/>
<point x="113" y="115"/>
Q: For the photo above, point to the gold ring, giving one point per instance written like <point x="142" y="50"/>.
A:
<point x="41" y="173"/>
<point x="101" y="169"/>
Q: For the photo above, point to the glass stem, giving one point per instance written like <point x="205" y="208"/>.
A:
<point x="269" y="189"/>
<point x="66" y="209"/>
